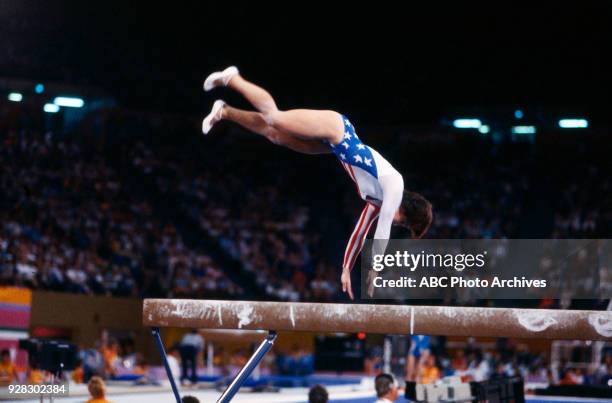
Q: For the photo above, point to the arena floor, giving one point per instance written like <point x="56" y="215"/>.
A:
<point x="342" y="393"/>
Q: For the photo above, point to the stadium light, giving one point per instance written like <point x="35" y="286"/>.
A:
<point x="69" y="102"/>
<point x="524" y="129"/>
<point x="467" y="123"/>
<point x="39" y="88"/>
<point x="573" y="123"/>
<point x="484" y="129"/>
<point x="15" y="97"/>
<point x="51" y="108"/>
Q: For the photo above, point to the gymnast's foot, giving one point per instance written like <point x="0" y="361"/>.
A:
<point x="220" y="78"/>
<point x="215" y="115"/>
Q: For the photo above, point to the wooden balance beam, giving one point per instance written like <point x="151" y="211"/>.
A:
<point x="388" y="319"/>
<point x="368" y="318"/>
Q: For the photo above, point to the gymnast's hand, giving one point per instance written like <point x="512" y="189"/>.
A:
<point x="370" y="282"/>
<point x="346" y="282"/>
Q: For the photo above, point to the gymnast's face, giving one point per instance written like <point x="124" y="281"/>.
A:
<point x="400" y="217"/>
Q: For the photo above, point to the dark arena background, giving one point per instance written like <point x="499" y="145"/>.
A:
<point x="115" y="209"/>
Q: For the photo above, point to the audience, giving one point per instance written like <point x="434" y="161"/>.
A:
<point x="318" y="394"/>
<point x="386" y="388"/>
<point x="97" y="390"/>
<point x="481" y="365"/>
<point x="127" y="215"/>
<point x="8" y="371"/>
<point x="69" y="222"/>
<point x="154" y="213"/>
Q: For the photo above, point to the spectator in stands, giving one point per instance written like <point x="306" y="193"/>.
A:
<point x="92" y="361"/>
<point x="459" y="362"/>
<point x="97" y="390"/>
<point x="386" y="388"/>
<point x="110" y="353"/>
<point x="428" y="371"/>
<point x="317" y="394"/>
<point x="500" y="371"/>
<point x="77" y="375"/>
<point x="373" y="363"/>
<point x="8" y="370"/>
<point x="190" y="346"/>
<point x="35" y="376"/>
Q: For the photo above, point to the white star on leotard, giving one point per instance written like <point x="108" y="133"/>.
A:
<point x="367" y="161"/>
<point x="347" y="136"/>
<point x="342" y="156"/>
<point x="360" y="146"/>
<point x="345" y="144"/>
<point x="358" y="158"/>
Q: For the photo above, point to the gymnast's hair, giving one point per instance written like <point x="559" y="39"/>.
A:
<point x="418" y="213"/>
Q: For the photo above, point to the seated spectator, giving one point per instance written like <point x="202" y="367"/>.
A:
<point x="35" y="376"/>
<point x="386" y="388"/>
<point x="8" y="370"/>
<point x="318" y="394"/>
<point x="459" y="362"/>
<point x="93" y="362"/>
<point x="110" y="353"/>
<point x="77" y="375"/>
<point x="428" y="371"/>
<point x="97" y="390"/>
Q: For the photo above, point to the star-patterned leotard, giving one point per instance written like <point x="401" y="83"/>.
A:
<point x="378" y="183"/>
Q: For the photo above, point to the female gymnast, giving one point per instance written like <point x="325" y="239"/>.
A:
<point x="324" y="131"/>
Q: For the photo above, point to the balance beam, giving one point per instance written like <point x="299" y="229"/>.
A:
<point x="387" y="319"/>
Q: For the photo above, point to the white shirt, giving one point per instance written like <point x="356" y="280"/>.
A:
<point x="193" y="339"/>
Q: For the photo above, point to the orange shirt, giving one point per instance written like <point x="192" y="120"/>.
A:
<point x="8" y="372"/>
<point x="77" y="374"/>
<point x="430" y="375"/>
<point x="36" y="377"/>
<point x="102" y="400"/>
<point x="110" y="356"/>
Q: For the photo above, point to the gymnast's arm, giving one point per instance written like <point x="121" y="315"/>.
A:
<point x="393" y="190"/>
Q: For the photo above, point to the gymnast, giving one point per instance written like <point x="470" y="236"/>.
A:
<point x="324" y="131"/>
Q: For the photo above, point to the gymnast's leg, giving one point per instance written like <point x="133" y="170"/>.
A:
<point x="255" y="122"/>
<point x="307" y="124"/>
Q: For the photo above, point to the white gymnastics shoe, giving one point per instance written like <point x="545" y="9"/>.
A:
<point x="213" y="117"/>
<point x="219" y="78"/>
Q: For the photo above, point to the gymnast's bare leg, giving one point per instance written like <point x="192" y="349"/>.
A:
<point x="303" y="130"/>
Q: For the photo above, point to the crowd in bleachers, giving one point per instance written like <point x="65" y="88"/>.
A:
<point x="70" y="222"/>
<point x="510" y="359"/>
<point x="75" y="217"/>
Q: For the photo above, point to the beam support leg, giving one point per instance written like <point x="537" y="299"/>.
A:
<point x="162" y="353"/>
<point x="244" y="373"/>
